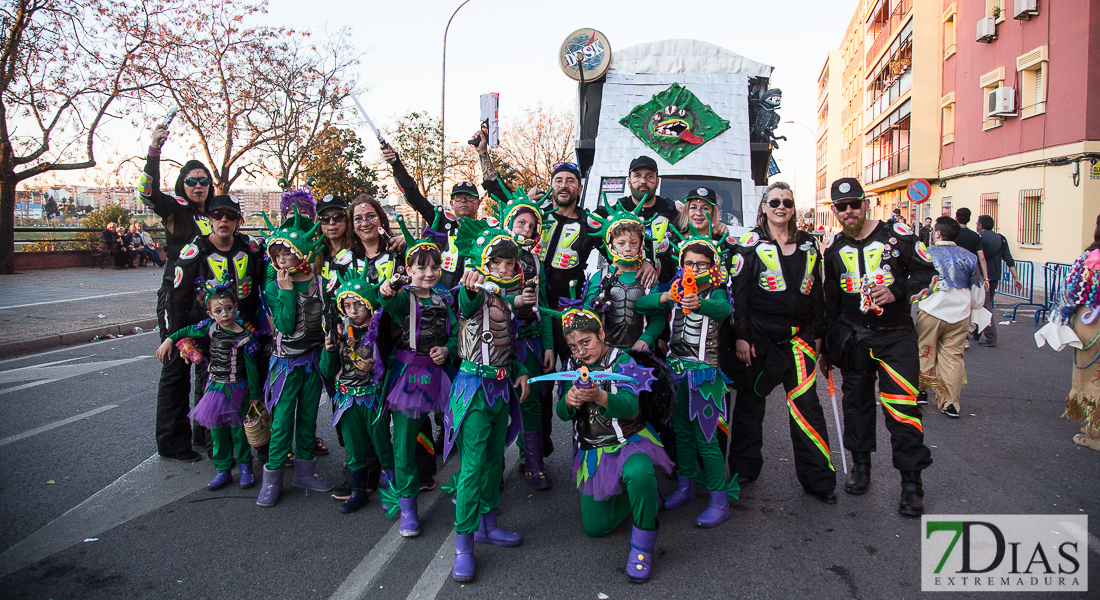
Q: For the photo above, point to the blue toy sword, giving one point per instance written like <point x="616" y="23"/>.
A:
<point x="582" y="378"/>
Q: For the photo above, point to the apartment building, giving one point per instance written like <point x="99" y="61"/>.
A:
<point x="1019" y="121"/>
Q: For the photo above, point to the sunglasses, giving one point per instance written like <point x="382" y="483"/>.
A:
<point x="567" y="165"/>
<point x="334" y="218"/>
<point x="845" y="205"/>
<point x="218" y="215"/>
<point x="786" y="202"/>
<point x="365" y="219"/>
<point x="193" y="181"/>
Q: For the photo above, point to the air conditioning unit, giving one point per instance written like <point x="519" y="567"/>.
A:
<point x="1002" y="102"/>
<point x="987" y="30"/>
<point x="1025" y="9"/>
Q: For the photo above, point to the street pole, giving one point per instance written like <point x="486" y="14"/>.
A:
<point x="443" y="106"/>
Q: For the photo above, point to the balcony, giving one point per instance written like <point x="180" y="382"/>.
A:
<point x="888" y="166"/>
<point x="882" y="26"/>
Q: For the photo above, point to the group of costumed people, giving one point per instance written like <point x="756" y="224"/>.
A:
<point x="478" y="319"/>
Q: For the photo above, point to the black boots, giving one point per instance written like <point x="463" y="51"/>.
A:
<point x="358" y="498"/>
<point x="860" y="477"/>
<point x="912" y="494"/>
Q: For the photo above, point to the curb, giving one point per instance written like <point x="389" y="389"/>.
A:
<point x="72" y="338"/>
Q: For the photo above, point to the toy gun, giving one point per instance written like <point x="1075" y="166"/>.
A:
<point x="686" y="286"/>
<point x="403" y="277"/>
<point x="332" y="322"/>
<point x="600" y="302"/>
<point x="583" y="378"/>
<point x="189" y="351"/>
<point x="489" y="287"/>
<point x="167" y="120"/>
<point x="866" y="304"/>
<point x="490" y="107"/>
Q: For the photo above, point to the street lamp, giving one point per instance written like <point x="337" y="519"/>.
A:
<point x="443" y="106"/>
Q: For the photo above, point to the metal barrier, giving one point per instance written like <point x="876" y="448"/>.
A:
<point x="72" y="235"/>
<point x="1026" y="270"/>
<point x="1054" y="288"/>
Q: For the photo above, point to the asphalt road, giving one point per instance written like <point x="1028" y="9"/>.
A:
<point x="89" y="512"/>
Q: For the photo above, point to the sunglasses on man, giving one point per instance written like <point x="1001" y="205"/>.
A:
<point x="786" y="202"/>
<point x="193" y="181"/>
<point x="845" y="205"/>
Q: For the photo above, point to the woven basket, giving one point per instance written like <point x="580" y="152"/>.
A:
<point x="257" y="426"/>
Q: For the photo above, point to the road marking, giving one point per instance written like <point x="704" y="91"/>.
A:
<point x="76" y="299"/>
<point x="145" y="488"/>
<point x="49" y="364"/>
<point x="55" y="425"/>
<point x="433" y="577"/>
<point x="42" y="374"/>
<point x="73" y="348"/>
<point x="362" y="577"/>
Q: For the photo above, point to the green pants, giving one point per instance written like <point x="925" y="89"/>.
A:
<point x="230" y="447"/>
<point x="295" y="412"/>
<point x="601" y="517"/>
<point x="692" y="448"/>
<point x="364" y="429"/>
<point x="405" y="432"/>
<point x="531" y="409"/>
<point x="481" y="447"/>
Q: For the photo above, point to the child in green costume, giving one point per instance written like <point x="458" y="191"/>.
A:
<point x="233" y="376"/>
<point x="294" y="380"/>
<point x="617" y="448"/>
<point x="695" y="318"/>
<point x="359" y="371"/>
<point x="418" y="383"/>
<point x="481" y="398"/>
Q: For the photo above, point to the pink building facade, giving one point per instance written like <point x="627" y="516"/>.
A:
<point x="1020" y="121"/>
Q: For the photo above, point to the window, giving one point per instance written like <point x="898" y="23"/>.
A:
<point x="989" y="207"/>
<point x="945" y="206"/>
<point x="892" y="76"/>
<point x="887" y="151"/>
<point x="947" y="108"/>
<point x="989" y="82"/>
<point x="1032" y="68"/>
<point x="1030" y="220"/>
<point x="949" y="18"/>
<point x="995" y="8"/>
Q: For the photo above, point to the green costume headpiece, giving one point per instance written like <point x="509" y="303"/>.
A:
<point x="298" y="234"/>
<point x="718" y="271"/>
<point x="508" y="209"/>
<point x="209" y="287"/>
<point x="414" y="245"/>
<point x="477" y="240"/>
<point x="354" y="284"/>
<point x="568" y="316"/>
<point x="616" y="217"/>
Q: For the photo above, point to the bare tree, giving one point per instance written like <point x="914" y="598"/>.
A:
<point x="308" y="94"/>
<point x="534" y="142"/>
<point x="63" y="65"/>
<point x="242" y="87"/>
<point x="418" y="140"/>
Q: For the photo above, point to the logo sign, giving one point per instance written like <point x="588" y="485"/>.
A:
<point x="1033" y="553"/>
<point x="585" y="55"/>
<point x="918" y="191"/>
<point x="674" y="123"/>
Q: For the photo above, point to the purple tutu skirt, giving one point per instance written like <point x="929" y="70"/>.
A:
<point x="220" y="406"/>
<point x="599" y="473"/>
<point x="419" y="386"/>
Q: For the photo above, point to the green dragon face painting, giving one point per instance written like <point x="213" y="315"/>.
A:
<point x="674" y="123"/>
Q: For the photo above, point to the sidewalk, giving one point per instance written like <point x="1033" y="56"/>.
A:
<point x="40" y="310"/>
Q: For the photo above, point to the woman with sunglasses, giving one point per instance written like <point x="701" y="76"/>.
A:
<point x="777" y="290"/>
<point x="699" y="214"/>
<point x="183" y="218"/>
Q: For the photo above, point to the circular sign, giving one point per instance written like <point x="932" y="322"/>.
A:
<point x="918" y="191"/>
<point x="585" y="55"/>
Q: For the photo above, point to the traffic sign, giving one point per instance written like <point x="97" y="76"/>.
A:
<point x="918" y="191"/>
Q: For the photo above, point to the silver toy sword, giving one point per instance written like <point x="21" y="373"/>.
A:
<point x="377" y="134"/>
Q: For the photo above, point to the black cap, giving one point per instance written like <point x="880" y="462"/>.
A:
<point x="224" y="202"/>
<point x="702" y="193"/>
<point x="465" y="187"/>
<point x="846" y="188"/>
<point x="643" y="162"/>
<point x="331" y="201"/>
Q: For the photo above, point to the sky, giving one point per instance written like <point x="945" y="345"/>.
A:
<point x="511" y="47"/>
